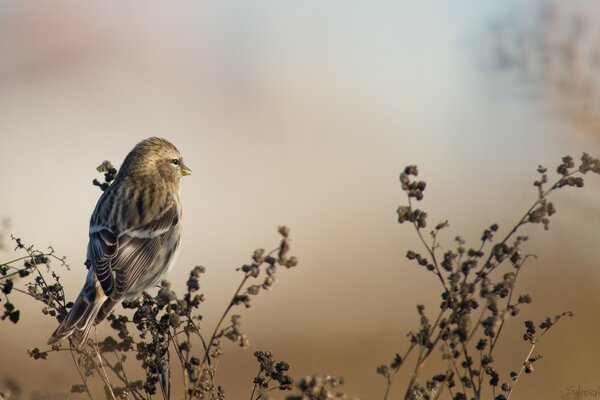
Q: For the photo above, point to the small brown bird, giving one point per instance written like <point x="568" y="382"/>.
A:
<point x="134" y="235"/>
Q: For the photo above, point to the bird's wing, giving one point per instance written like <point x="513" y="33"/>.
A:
<point x="119" y="258"/>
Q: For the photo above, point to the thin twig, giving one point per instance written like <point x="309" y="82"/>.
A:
<point x="82" y="376"/>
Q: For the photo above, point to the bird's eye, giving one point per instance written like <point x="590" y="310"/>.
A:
<point x="175" y="161"/>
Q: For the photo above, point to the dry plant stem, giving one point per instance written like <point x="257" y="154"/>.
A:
<point x="521" y="370"/>
<point x="453" y="363"/>
<point x="31" y="267"/>
<point x="494" y="342"/>
<point x="197" y="332"/>
<point x="508" y="301"/>
<point x="421" y="360"/>
<point x="101" y="371"/>
<point x="103" y="374"/>
<point x="423" y="357"/>
<point x="12" y="274"/>
<point x="521" y="222"/>
<point x="439" y="392"/>
<point x="527" y="359"/>
<point x="30" y="255"/>
<point x="267" y="384"/>
<point x="165" y="377"/>
<point x="5" y="295"/>
<point x="182" y="359"/>
<point x="430" y="250"/>
<point x="390" y="378"/>
<point x="449" y="390"/>
<point x="476" y="390"/>
<point x="82" y="376"/>
<point x="269" y="390"/>
<point x="388" y="387"/>
<point x="104" y="377"/>
<point x="187" y="355"/>
<point x="123" y="377"/>
<point x="413" y="378"/>
<point x="477" y="324"/>
<point x="216" y="330"/>
<point x="229" y="307"/>
<point x="16" y="290"/>
<point x="253" y="390"/>
<point x="254" y="386"/>
<point x="43" y="279"/>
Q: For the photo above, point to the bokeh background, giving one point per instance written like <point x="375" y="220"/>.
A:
<point x="304" y="113"/>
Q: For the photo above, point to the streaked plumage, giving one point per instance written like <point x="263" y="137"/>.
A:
<point x="134" y="235"/>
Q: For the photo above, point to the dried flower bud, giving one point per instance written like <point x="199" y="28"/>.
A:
<point x="258" y="255"/>
<point x="284" y="231"/>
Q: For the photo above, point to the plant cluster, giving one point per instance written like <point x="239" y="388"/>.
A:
<point x="478" y="295"/>
<point x="163" y="333"/>
<point x="163" y="336"/>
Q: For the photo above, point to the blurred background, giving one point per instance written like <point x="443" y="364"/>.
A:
<point x="304" y="113"/>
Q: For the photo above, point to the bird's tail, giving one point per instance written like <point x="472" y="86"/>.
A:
<point x="82" y="316"/>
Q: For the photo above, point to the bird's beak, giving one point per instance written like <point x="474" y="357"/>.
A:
<point x="185" y="170"/>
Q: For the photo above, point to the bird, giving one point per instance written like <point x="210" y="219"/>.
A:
<point x="134" y="236"/>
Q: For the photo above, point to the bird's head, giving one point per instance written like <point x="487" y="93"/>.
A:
<point x="155" y="158"/>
